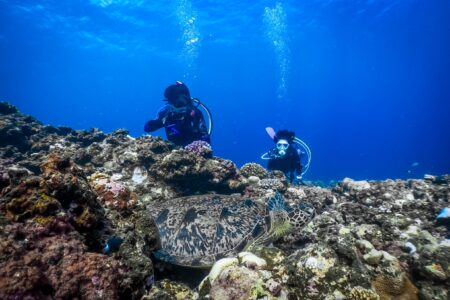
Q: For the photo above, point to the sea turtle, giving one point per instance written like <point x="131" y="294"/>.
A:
<point x="195" y="231"/>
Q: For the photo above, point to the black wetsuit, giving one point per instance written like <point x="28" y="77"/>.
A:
<point x="289" y="164"/>
<point x="183" y="125"/>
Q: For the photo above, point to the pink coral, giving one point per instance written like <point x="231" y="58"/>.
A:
<point x="114" y="194"/>
<point x="200" y="148"/>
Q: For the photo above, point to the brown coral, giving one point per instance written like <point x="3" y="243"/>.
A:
<point x="395" y="287"/>
<point x="360" y="293"/>
<point x="254" y="169"/>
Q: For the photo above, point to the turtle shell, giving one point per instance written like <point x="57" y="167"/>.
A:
<point x="196" y="231"/>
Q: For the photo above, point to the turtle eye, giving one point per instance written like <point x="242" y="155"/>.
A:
<point x="309" y="209"/>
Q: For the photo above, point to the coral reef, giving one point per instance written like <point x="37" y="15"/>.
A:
<point x="51" y="261"/>
<point x="65" y="192"/>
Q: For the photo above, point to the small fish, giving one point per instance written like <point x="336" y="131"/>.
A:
<point x="411" y="247"/>
<point x="112" y="245"/>
<point x="414" y="164"/>
<point x="445" y="213"/>
<point x="149" y="281"/>
<point x="443" y="218"/>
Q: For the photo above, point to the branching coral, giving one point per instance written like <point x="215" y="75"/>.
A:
<point x="200" y="148"/>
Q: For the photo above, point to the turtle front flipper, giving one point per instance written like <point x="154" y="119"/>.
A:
<point x="279" y="223"/>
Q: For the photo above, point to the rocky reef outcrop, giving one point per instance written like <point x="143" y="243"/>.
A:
<point x="65" y="194"/>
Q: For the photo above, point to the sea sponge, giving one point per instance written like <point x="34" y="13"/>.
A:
<point x="252" y="261"/>
<point x="254" y="169"/>
<point x="395" y="287"/>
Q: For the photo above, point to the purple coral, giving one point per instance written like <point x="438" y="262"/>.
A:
<point x="200" y="148"/>
<point x="115" y="187"/>
<point x="112" y="186"/>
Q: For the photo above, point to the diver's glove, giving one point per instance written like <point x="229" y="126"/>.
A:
<point x="206" y="138"/>
<point x="153" y="125"/>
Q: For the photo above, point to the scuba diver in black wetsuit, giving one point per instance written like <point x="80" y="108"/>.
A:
<point x="284" y="156"/>
<point x="181" y="119"/>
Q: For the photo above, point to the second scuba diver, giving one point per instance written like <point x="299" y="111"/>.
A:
<point x="284" y="156"/>
<point x="183" y="122"/>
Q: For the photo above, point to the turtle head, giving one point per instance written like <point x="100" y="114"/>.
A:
<point x="300" y="215"/>
<point x="284" y="219"/>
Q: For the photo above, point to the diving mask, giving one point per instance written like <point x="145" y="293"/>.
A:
<point x="282" y="146"/>
<point x="181" y="101"/>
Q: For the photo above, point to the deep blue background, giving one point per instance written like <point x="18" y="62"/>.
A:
<point x="368" y="86"/>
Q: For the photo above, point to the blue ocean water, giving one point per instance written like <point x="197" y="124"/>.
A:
<point x="365" y="83"/>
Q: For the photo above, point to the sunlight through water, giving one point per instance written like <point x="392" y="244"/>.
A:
<point x="190" y="36"/>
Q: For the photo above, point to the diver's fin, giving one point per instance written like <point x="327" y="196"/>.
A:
<point x="270" y="132"/>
